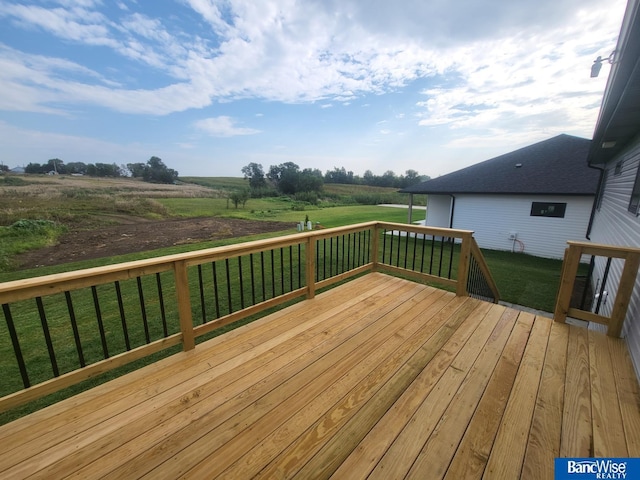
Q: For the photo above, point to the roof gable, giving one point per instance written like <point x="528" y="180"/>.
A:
<point x="554" y="166"/>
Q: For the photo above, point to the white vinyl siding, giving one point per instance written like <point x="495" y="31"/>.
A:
<point x="439" y="211"/>
<point x="494" y="217"/>
<point x="615" y="225"/>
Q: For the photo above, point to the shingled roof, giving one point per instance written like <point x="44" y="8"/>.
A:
<point x="551" y="167"/>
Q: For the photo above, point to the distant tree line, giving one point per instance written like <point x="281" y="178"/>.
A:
<point x="288" y="179"/>
<point x="55" y="165"/>
<point x="154" y="170"/>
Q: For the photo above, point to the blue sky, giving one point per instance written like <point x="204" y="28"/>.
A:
<point x="210" y="86"/>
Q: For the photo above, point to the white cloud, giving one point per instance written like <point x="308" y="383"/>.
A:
<point x="223" y="127"/>
<point x="487" y="62"/>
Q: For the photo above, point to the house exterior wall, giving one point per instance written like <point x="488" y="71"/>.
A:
<point x="614" y="225"/>
<point x="494" y="217"/>
<point x="438" y="211"/>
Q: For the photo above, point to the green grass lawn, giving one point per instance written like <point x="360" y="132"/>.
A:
<point x="524" y="279"/>
<point x="281" y="210"/>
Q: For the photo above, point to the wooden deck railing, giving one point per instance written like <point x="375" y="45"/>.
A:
<point x="626" y="282"/>
<point x="64" y="328"/>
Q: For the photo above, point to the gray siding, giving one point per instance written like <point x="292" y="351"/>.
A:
<point x="615" y="225"/>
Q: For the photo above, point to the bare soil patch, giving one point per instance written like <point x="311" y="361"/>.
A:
<point x="138" y="235"/>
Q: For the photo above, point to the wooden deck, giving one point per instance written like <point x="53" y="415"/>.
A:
<point x="378" y="378"/>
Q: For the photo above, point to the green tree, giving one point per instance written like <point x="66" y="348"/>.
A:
<point x="33" y="168"/>
<point x="310" y="180"/>
<point x="156" y="171"/>
<point x="136" y="169"/>
<point x="55" y="165"/>
<point x="339" y="175"/>
<point x="76" y="167"/>
<point x="107" y="170"/>
<point x="255" y="174"/>
<point x="239" y="197"/>
<point x="284" y="177"/>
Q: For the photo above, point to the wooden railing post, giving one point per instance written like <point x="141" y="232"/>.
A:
<point x="463" y="265"/>
<point x="570" y="266"/>
<point x="311" y="266"/>
<point x="184" y="305"/>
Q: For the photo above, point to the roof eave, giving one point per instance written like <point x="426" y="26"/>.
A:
<point x="619" y="118"/>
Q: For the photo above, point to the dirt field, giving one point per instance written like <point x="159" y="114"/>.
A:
<point x="138" y="235"/>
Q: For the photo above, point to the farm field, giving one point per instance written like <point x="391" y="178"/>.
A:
<point x="55" y="223"/>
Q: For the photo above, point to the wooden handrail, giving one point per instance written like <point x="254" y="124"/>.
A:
<point x="178" y="264"/>
<point x="570" y="265"/>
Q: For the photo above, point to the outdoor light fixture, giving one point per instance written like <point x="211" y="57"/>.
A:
<point x="597" y="63"/>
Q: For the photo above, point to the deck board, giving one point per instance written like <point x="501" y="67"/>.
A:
<point x="377" y="378"/>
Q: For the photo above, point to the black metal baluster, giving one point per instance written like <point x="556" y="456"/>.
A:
<point x="415" y="243"/>
<point x="331" y="257"/>
<point x="441" y="256"/>
<point x="324" y="258"/>
<point x="74" y="327"/>
<point x="96" y="305"/>
<point x="163" y="314"/>
<point x="354" y="257"/>
<point x="369" y="244"/>
<point x="349" y="252"/>
<point x="384" y="244"/>
<point x="240" y="276"/>
<point x="452" y="242"/>
<point x="282" y="270"/>
<point x="406" y="248"/>
<point x="342" y="256"/>
<point x="433" y="247"/>
<point x="299" y="265"/>
<point x="602" y="286"/>
<point x="291" y="268"/>
<point x="317" y="261"/>
<point x="229" y="298"/>
<point x="125" y="330"/>
<point x="16" y="345"/>
<point x="264" y="285"/>
<point x="273" y="275"/>
<point x="391" y="235"/>
<point x="398" y="250"/>
<point x="253" y="280"/>
<point x="47" y="337"/>
<point x="202" y="302"/>
<point x="424" y="241"/>
<point x="216" y="293"/>
<point x="143" y="310"/>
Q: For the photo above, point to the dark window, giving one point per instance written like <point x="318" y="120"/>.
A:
<point x="635" y="195"/>
<point x="618" y="169"/>
<point x="546" y="209"/>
